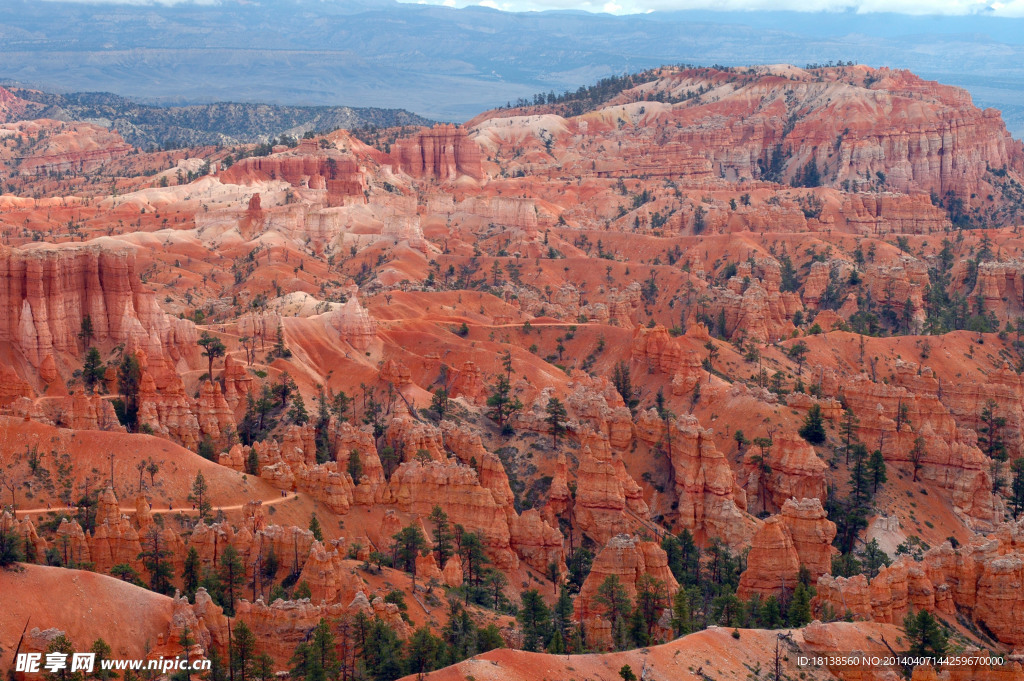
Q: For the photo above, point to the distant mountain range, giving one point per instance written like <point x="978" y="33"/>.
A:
<point x="450" y="64"/>
<point x="218" y="123"/>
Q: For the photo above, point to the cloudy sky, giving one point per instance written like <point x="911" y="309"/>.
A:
<point x="1008" y="8"/>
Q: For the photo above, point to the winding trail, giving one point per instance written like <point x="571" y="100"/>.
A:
<point x="187" y="511"/>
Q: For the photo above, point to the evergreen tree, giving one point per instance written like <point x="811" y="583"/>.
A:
<point x="990" y="438"/>
<point x="651" y="599"/>
<point x="860" y="480"/>
<point x="129" y="375"/>
<point x="501" y="402"/>
<point x="682" y="622"/>
<point x="924" y="634"/>
<point x="190" y="573"/>
<point x="1017" y="487"/>
<point x="556" y="415"/>
<point x="442" y="535"/>
<point x="409" y="543"/>
<point x="917" y="455"/>
<point x="213" y="348"/>
<point x="198" y="495"/>
<point x="424" y="653"/>
<point x="623" y="383"/>
<point x="232" y="576"/>
<point x="848" y="431"/>
<point x="382" y="652"/>
<point x="798" y="353"/>
<point x="355" y="465"/>
<point x="799" y="612"/>
<point x="771" y="613"/>
<point x="876" y="470"/>
<point x="61" y="644"/>
<point x="439" y="401"/>
<point x="535" y="620"/>
<point x="86" y="331"/>
<point x="154" y="557"/>
<point x="813" y="429"/>
<point x="10" y="547"/>
<point x="298" y="414"/>
<point x="243" y="652"/>
<point x="102" y="650"/>
<point x="93" y="370"/>
<point x="612" y="595"/>
<point x="314" y="527"/>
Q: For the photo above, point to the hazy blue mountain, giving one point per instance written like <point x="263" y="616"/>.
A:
<point x="450" y="64"/>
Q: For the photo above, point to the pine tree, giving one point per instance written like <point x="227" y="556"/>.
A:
<point x="623" y="383"/>
<point x="651" y="599"/>
<point x="190" y="573"/>
<point x="129" y="375"/>
<point x="154" y="557"/>
<point x="232" y="576"/>
<point x="93" y="370"/>
<point x="617" y="607"/>
<point x="924" y="634"/>
<point x="876" y="470"/>
<point x="1017" y="487"/>
<point x="813" y="429"/>
<point x="556" y="415"/>
<point x="860" y="480"/>
<point x="439" y="401"/>
<point x="848" y="431"/>
<point x="243" y="652"/>
<point x="86" y="331"/>
<point x="798" y="353"/>
<point x="298" y="414"/>
<point x="917" y="455"/>
<point x="355" y="466"/>
<point x="409" y="543"/>
<point x="62" y="644"/>
<point x="198" y="496"/>
<point x="990" y="438"/>
<point x="442" y="535"/>
<point x="314" y="527"/>
<point x="681" y="618"/>
<point x="213" y="348"/>
<point x="800" y="607"/>
<point x="535" y="620"/>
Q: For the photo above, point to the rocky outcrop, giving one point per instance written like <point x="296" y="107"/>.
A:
<point x="628" y="559"/>
<point x="46" y="292"/>
<point x="352" y="322"/>
<point x="443" y="152"/>
<point x="416" y="487"/>
<point x="800" y="536"/>
<point x="795" y="471"/>
<point x="337" y="174"/>
<point x="710" y="502"/>
<point x="980" y="579"/>
<point x="951" y="458"/>
<point x="608" y="501"/>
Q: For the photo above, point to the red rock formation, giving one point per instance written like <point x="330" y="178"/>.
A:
<point x="628" y="559"/>
<point x="444" y="152"/>
<point x="796" y="472"/>
<point x="608" y="501"/>
<point x="951" y="459"/>
<point x="353" y="323"/>
<point x="980" y="579"/>
<point x="417" y="487"/>
<point x="799" y="536"/>
<point x="339" y="174"/>
<point x="711" y="503"/>
<point x="45" y="293"/>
